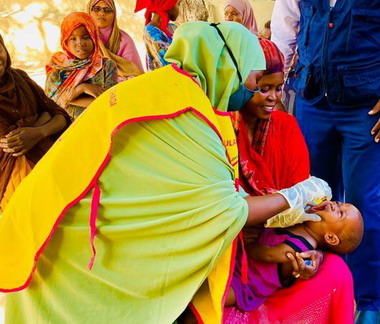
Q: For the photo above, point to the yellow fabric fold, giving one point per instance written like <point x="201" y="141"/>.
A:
<point x="32" y="214"/>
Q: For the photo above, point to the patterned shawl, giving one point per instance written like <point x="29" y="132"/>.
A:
<point x="65" y="71"/>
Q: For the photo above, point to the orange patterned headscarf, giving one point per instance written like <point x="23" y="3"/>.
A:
<point x="65" y="71"/>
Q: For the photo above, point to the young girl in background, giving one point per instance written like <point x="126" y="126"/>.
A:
<point x="80" y="74"/>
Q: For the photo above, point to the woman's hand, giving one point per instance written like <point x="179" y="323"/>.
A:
<point x="20" y="140"/>
<point x="302" y="270"/>
<point x="375" y="131"/>
<point x="92" y="90"/>
<point x="252" y="233"/>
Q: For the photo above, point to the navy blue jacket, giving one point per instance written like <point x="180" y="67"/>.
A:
<point x="339" y="52"/>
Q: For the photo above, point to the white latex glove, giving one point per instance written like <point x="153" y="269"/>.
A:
<point x="306" y="191"/>
<point x="299" y="196"/>
<point x="291" y="217"/>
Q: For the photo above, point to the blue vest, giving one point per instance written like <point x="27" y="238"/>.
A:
<point x="339" y="52"/>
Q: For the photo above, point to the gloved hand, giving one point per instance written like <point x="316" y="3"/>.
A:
<point x="291" y="217"/>
<point x="306" y="191"/>
<point x="298" y="197"/>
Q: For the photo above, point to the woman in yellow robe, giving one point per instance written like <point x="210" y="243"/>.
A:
<point x="136" y="204"/>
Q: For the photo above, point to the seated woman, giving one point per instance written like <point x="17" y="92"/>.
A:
<point x="115" y="43"/>
<point x="30" y="122"/>
<point x="141" y="187"/>
<point x="80" y="74"/>
<point x="158" y="32"/>
<point x="241" y="11"/>
<point x="272" y="156"/>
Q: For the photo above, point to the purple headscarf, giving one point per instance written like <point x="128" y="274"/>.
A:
<point x="245" y="10"/>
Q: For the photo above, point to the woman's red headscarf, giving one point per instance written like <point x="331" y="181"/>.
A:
<point x="276" y="157"/>
<point x="161" y="7"/>
<point x="275" y="61"/>
<point x="65" y="71"/>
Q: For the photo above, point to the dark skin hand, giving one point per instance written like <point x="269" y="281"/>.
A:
<point x="20" y="140"/>
<point x="376" y="129"/>
<point x="300" y="269"/>
<point x="252" y="233"/>
<point x="261" y="208"/>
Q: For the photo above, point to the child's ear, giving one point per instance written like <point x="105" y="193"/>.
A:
<point x="331" y="239"/>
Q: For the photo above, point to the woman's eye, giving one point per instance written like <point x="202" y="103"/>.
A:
<point x="264" y="90"/>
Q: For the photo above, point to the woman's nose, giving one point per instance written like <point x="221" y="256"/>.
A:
<point x="271" y="96"/>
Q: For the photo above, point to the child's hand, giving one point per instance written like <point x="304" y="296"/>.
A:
<point x="92" y="90"/>
<point x="302" y="270"/>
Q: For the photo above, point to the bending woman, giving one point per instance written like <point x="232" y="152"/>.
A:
<point x="273" y="155"/>
<point x="80" y="74"/>
<point x="29" y="124"/>
<point x="115" y="44"/>
<point x="142" y="189"/>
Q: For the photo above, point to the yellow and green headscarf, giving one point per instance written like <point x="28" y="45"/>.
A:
<point x="198" y="49"/>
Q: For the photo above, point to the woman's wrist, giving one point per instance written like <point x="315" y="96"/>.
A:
<point x="41" y="132"/>
<point x="53" y="126"/>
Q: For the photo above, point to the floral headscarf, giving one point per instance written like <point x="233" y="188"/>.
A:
<point x="65" y="71"/>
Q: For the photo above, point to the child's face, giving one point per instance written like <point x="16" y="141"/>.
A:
<point x="336" y="216"/>
<point x="80" y="43"/>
